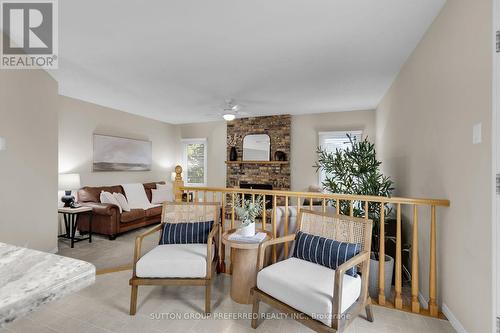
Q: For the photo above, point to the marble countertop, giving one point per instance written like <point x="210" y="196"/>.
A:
<point x="30" y="278"/>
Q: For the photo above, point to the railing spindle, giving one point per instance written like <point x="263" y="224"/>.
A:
<point x="398" y="301"/>
<point x="415" y="305"/>
<point x="351" y="207"/>
<point x="274" y="227"/>
<point x="222" y="259"/>
<point x="381" y="259"/>
<point x="433" y="309"/>
<point x="264" y="214"/>
<point x="366" y="210"/>
<point x="286" y="225"/>
<point x="232" y="210"/>
<point x="337" y="206"/>
<point x="323" y="205"/>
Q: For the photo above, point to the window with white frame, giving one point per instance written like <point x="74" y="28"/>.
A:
<point x="331" y="141"/>
<point x="195" y="161"/>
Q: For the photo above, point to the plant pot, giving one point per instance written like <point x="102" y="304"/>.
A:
<point x="247" y="231"/>
<point x="373" y="280"/>
<point x="233" y="154"/>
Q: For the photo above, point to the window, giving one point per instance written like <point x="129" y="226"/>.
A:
<point x="331" y="141"/>
<point x="195" y="161"/>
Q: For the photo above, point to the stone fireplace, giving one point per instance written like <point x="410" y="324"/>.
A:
<point x="273" y="173"/>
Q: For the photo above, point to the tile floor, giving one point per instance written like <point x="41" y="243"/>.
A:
<point x="103" y="307"/>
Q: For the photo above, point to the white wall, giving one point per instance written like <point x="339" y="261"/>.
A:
<point x="424" y="138"/>
<point x="79" y="120"/>
<point x="304" y="140"/>
<point x="28" y="167"/>
<point x="215" y="132"/>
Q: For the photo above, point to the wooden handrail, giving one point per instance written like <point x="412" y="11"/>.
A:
<point x="317" y="195"/>
<point x="351" y="202"/>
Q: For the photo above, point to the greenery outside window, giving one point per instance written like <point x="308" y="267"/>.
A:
<point x="331" y="141"/>
<point x="195" y="161"/>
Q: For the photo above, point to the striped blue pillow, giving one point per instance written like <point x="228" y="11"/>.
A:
<point x="324" y="251"/>
<point x="186" y="233"/>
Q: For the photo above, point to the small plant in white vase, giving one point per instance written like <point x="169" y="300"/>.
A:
<point x="248" y="210"/>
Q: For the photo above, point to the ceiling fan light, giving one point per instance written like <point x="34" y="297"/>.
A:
<point x="229" y="117"/>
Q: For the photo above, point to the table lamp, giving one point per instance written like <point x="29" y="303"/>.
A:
<point x="67" y="183"/>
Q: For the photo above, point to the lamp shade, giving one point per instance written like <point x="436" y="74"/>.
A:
<point x="69" y="181"/>
<point x="172" y="176"/>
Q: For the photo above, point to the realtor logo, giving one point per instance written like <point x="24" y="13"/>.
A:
<point x="30" y="34"/>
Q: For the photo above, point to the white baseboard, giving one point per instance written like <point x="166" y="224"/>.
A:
<point x="452" y="319"/>
<point x="446" y="311"/>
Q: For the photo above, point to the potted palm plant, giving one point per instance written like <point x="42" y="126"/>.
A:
<point x="356" y="170"/>
<point x="248" y="210"/>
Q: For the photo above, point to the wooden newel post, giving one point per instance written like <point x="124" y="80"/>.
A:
<point x="178" y="183"/>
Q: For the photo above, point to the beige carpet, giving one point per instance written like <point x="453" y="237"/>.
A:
<point x="104" y="253"/>
<point x="104" y="306"/>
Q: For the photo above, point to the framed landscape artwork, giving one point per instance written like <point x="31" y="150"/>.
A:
<point x="113" y="153"/>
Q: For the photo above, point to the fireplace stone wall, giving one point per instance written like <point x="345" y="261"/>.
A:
<point x="278" y="129"/>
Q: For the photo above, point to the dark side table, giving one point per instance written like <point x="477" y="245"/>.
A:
<point x="70" y="221"/>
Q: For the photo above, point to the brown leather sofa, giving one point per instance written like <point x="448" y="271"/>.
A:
<point x="107" y="219"/>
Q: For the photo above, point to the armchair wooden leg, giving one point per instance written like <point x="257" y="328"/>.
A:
<point x="208" y="299"/>
<point x="133" y="300"/>
<point x="369" y="313"/>
<point x="255" y="311"/>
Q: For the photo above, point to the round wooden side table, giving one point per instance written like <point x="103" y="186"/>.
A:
<point x="244" y="264"/>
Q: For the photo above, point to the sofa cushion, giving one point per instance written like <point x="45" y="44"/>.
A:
<point x="163" y="193"/>
<point x="174" y="261"/>
<point x="122" y="201"/>
<point x="154" y="211"/>
<point x="134" y="214"/>
<point x="186" y="233"/>
<point x="307" y="287"/>
<point x="324" y="251"/>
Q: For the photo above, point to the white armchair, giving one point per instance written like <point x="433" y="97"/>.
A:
<point x="321" y="298"/>
<point x="178" y="264"/>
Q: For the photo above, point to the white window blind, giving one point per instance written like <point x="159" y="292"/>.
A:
<point x="195" y="161"/>
<point x="331" y="141"/>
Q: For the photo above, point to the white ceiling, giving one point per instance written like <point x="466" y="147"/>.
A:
<point x="177" y="61"/>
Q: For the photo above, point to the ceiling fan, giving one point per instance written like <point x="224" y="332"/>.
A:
<point x="231" y="110"/>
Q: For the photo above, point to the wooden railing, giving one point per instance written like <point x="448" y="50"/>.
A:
<point x="227" y="196"/>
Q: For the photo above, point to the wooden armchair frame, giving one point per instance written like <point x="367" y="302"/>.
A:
<point x="177" y="212"/>
<point x="341" y="228"/>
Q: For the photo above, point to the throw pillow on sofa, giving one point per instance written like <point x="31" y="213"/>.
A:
<point x="122" y="201"/>
<point x="186" y="233"/>
<point x="108" y="198"/>
<point x="161" y="194"/>
<point x="324" y="251"/>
